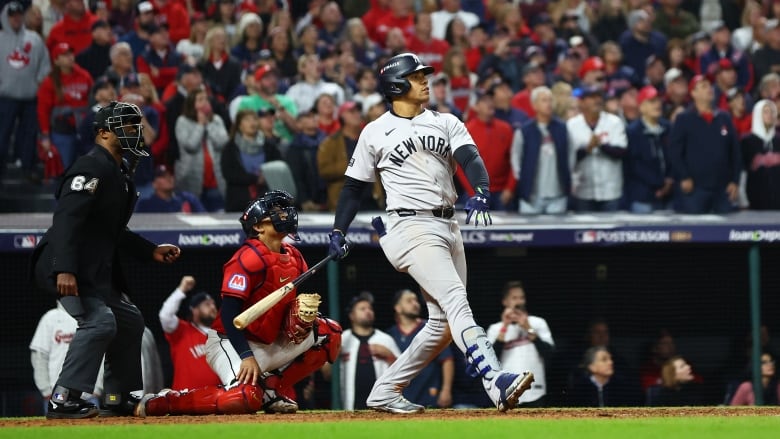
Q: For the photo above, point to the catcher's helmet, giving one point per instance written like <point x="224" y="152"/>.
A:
<point x="392" y="76"/>
<point x="124" y="120"/>
<point x="272" y="205"/>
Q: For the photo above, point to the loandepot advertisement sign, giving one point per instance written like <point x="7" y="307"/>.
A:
<point x="210" y="239"/>
<point x="754" y="235"/>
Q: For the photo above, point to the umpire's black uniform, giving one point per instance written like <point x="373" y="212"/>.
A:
<point x="89" y="230"/>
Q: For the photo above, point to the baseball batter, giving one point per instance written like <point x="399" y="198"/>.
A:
<point x="415" y="152"/>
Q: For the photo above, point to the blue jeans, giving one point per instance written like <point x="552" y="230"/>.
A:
<point x="25" y="135"/>
<point x="547" y="206"/>
<point x="67" y="145"/>
<point x="703" y="201"/>
<point x="581" y="205"/>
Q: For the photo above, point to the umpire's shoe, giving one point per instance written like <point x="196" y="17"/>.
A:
<point x="65" y="405"/>
<point x="399" y="406"/>
<point x="120" y="405"/>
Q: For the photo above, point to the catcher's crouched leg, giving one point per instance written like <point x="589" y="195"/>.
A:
<point x="326" y="348"/>
<point x="241" y="399"/>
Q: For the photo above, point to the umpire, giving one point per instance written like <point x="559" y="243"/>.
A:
<point x="78" y="259"/>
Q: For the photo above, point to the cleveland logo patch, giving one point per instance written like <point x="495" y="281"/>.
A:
<point x="237" y="282"/>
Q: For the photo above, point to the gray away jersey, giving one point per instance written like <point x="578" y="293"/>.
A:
<point x="414" y="158"/>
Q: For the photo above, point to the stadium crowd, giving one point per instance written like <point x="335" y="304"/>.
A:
<point x="574" y="105"/>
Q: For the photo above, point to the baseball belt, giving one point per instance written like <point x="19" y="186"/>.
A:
<point x="441" y="212"/>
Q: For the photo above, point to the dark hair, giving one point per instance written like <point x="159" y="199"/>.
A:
<point x="400" y="293"/>
<point x="590" y="356"/>
<point x="509" y="286"/>
<point x="364" y="296"/>
<point x="56" y="80"/>
<point x="240" y="117"/>
<point x="188" y="108"/>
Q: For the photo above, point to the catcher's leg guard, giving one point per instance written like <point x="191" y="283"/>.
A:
<point x="244" y="398"/>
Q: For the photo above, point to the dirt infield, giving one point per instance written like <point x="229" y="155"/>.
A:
<point x="342" y="416"/>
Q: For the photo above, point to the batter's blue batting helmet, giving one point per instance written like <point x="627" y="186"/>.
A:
<point x="272" y="205"/>
<point x="392" y="76"/>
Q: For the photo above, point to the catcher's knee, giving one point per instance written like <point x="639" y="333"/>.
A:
<point x="328" y="337"/>
<point x="242" y="399"/>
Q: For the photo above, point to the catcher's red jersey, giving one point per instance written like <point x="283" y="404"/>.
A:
<point x="255" y="272"/>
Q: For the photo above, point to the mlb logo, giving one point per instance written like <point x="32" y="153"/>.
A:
<point x="586" y="236"/>
<point x="237" y="282"/>
<point x="25" y="241"/>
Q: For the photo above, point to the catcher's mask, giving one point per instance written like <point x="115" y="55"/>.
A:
<point x="124" y="120"/>
<point x="279" y="207"/>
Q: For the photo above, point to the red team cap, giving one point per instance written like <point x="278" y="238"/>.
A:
<point x="263" y="70"/>
<point x="647" y="92"/>
<point x="61" y="49"/>
<point x="347" y="106"/>
<point x="695" y="80"/>
<point x="590" y="64"/>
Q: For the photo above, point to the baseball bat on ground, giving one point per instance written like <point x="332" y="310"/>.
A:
<point x="263" y="305"/>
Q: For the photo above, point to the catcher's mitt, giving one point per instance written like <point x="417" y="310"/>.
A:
<point x="303" y="312"/>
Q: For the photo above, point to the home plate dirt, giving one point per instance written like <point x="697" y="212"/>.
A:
<point x="342" y="416"/>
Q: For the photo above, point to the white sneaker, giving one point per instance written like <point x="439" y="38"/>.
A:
<point x="400" y="405"/>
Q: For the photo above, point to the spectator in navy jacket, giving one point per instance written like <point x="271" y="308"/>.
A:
<point x="723" y="49"/>
<point x="160" y="60"/>
<point x="646" y="173"/>
<point x="167" y="200"/>
<point x="640" y="41"/>
<point x="705" y="156"/>
<point x="540" y="159"/>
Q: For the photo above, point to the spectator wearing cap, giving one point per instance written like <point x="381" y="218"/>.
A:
<point x="597" y="145"/>
<point x="673" y="21"/>
<point x="761" y="158"/>
<point x="722" y="49"/>
<point x="545" y="37"/>
<point x="243" y="159"/>
<point x="493" y="138"/>
<point x="24" y="64"/>
<point x="640" y="41"/>
<point x="138" y="37"/>
<point x="738" y="107"/>
<point x="187" y="337"/>
<point x="165" y="198"/>
<point x="724" y="79"/>
<point x="63" y="101"/>
<point x="502" y="101"/>
<point x="74" y="29"/>
<point x="121" y="67"/>
<point x="654" y="73"/>
<point x="431" y="51"/>
<point x="611" y="22"/>
<point x="676" y="91"/>
<point x="103" y="93"/>
<point x="175" y="16"/>
<point x="250" y="39"/>
<point x="192" y="48"/>
<point x="96" y="58"/>
<point x="160" y="61"/>
<point x="533" y="76"/>
<point x="767" y="58"/>
<point x="540" y="159"/>
<point x="592" y="73"/>
<point x="646" y="172"/>
<point x="451" y="9"/>
<point x="705" y="156"/>
<point x="311" y="85"/>
<point x="568" y="69"/>
<point x="366" y="352"/>
<point x="263" y="95"/>
<point x="333" y="154"/>
<point x="221" y="72"/>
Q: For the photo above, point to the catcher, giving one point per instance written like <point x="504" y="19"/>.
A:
<point x="259" y="365"/>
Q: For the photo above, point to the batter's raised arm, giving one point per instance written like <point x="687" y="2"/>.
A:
<point x="346" y="209"/>
<point x="474" y="168"/>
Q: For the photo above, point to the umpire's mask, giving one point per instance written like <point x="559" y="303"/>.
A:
<point x="124" y="120"/>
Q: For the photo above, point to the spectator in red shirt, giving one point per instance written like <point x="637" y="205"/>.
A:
<point x="725" y="80"/>
<point x="160" y="61"/>
<point x="430" y="50"/>
<point x="477" y="47"/>
<point x="401" y="16"/>
<point x="737" y="108"/>
<point x="74" y="28"/>
<point x="494" y="142"/>
<point x="173" y="14"/>
<point x="187" y="338"/>
<point x="63" y="101"/>
<point x="532" y="76"/>
<point x="379" y="8"/>
<point x="325" y="109"/>
<point x="461" y="80"/>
